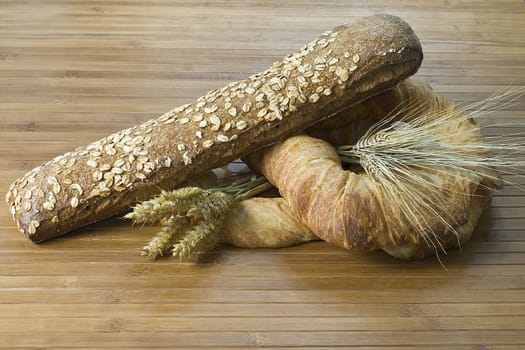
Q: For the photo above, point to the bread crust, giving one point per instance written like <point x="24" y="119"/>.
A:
<point x="340" y="68"/>
<point x="261" y="222"/>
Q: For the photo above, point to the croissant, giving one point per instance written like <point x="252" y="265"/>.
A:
<point x="407" y="211"/>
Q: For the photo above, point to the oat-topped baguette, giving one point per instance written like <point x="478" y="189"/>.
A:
<point x="342" y="67"/>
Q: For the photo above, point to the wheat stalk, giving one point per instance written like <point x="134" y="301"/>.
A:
<point x="244" y="187"/>
<point x="166" y="237"/>
<point x="401" y="152"/>
<point x="210" y="216"/>
<point x="193" y="216"/>
<point x="166" y="204"/>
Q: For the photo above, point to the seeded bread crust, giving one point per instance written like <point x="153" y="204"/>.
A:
<point x="342" y="67"/>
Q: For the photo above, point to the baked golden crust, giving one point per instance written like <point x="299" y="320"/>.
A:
<point x="340" y="68"/>
<point x="337" y="205"/>
<point x="264" y="223"/>
<point x="353" y="210"/>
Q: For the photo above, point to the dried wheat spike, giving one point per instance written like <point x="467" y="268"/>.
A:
<point x="210" y="215"/>
<point x="168" y="235"/>
<point x="167" y="204"/>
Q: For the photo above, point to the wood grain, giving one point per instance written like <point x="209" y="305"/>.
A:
<point x="74" y="71"/>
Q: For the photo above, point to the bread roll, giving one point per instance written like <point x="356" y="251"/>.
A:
<point x="343" y="66"/>
<point x="264" y="223"/>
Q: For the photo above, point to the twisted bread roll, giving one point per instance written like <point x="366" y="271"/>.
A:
<point x="351" y="209"/>
<point x="340" y="68"/>
<point x="264" y="223"/>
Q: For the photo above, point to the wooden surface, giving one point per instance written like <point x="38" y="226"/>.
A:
<point x="74" y="71"/>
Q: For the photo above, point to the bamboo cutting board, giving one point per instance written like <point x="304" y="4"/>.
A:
<point x="74" y="71"/>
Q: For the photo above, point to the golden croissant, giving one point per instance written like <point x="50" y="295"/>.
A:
<point x="408" y="210"/>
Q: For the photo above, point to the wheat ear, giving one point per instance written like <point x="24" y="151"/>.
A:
<point x="166" y="237"/>
<point x="193" y="216"/>
<point x="400" y="151"/>
<point x="209" y="216"/>
<point x="165" y="205"/>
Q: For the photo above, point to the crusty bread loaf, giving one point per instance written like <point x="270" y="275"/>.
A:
<point x="342" y="67"/>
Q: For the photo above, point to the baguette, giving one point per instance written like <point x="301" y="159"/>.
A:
<point x="340" y="68"/>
